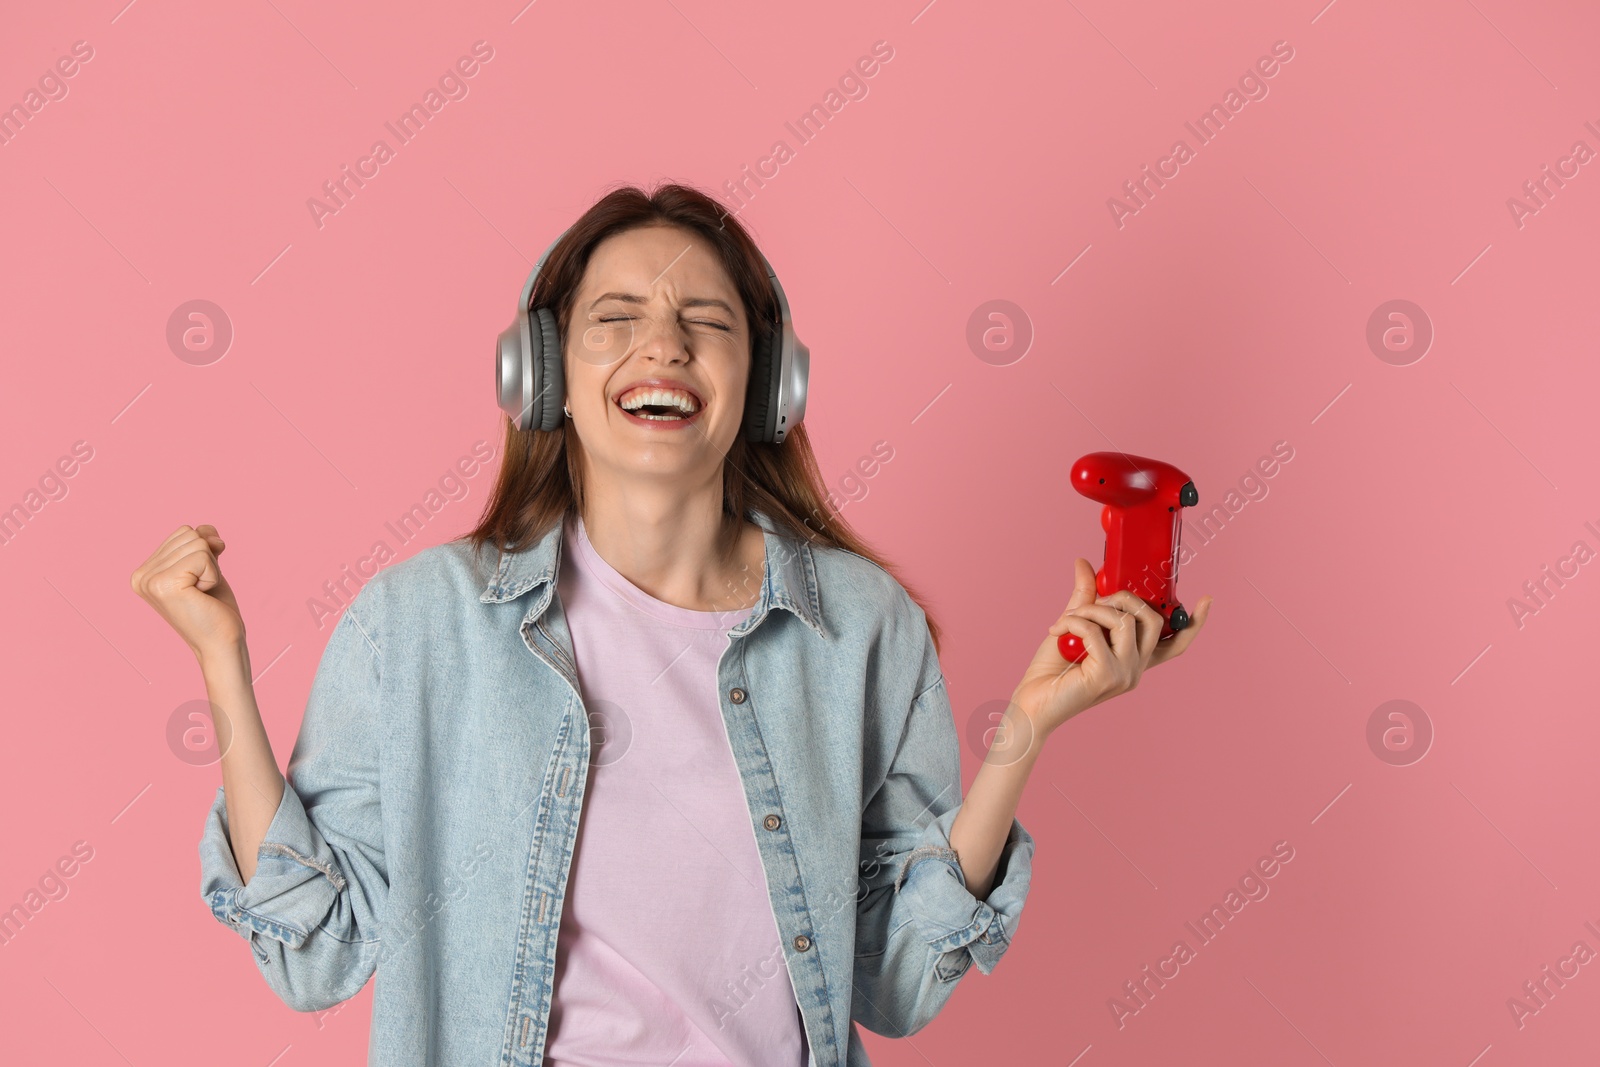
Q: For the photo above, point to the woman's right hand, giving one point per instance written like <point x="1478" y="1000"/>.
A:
<point x="183" y="582"/>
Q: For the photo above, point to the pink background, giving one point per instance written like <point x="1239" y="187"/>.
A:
<point x="1230" y="313"/>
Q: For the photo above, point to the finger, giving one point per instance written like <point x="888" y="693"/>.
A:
<point x="1093" y="638"/>
<point x="164" y="582"/>
<point x="1104" y="614"/>
<point x="209" y="532"/>
<point x="150" y="561"/>
<point x="174" y="547"/>
<point x="1150" y="620"/>
<point x="183" y="541"/>
<point x="1107" y="615"/>
<point x="170" y="554"/>
<point x="1173" y="647"/>
<point x="203" y="565"/>
<point x="181" y="534"/>
<point x="182" y="531"/>
<point x="1113" y="627"/>
<point x="1125" y="640"/>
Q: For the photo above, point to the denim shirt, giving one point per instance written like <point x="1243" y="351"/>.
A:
<point x="433" y="797"/>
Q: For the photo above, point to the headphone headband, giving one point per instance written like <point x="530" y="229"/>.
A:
<point x="527" y="287"/>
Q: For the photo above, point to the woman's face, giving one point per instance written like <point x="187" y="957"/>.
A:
<point x="656" y="303"/>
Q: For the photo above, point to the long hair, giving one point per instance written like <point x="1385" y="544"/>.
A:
<point x="541" y="481"/>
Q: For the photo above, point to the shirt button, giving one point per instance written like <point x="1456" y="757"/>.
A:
<point x="736" y="695"/>
<point x="772" y="822"/>
<point x="802" y="943"/>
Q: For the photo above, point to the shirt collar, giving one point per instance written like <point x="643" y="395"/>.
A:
<point x="789" y="581"/>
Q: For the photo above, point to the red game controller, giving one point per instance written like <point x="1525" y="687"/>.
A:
<point x="1143" y="523"/>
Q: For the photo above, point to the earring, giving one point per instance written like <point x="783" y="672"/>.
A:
<point x="566" y="409"/>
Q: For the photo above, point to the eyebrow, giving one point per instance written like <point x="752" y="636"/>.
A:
<point x="635" y="298"/>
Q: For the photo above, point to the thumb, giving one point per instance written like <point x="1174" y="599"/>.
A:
<point x="213" y="539"/>
<point x="205" y="569"/>
<point x="1084" y="591"/>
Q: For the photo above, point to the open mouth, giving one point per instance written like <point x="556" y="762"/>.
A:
<point x="659" y="405"/>
<point x="659" y="412"/>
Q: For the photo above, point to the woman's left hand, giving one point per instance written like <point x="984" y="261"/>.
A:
<point x="1054" y="689"/>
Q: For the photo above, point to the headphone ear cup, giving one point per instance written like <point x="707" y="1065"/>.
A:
<point x="549" y="383"/>
<point x="761" y="395"/>
<point x="510" y="381"/>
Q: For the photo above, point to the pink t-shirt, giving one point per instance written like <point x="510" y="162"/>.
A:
<point x="668" y="952"/>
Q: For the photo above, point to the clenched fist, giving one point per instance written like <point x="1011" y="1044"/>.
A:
<point x="184" y="583"/>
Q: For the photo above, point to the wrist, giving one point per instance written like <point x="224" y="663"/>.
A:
<point x="224" y="660"/>
<point x="1041" y="724"/>
<point x="1019" y="740"/>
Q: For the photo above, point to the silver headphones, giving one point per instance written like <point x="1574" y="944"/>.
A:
<point x="531" y="388"/>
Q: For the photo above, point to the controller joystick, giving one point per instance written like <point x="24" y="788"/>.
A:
<point x="1143" y="521"/>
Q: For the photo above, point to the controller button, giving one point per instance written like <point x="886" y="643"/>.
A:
<point x="1188" y="496"/>
<point x="1180" y="618"/>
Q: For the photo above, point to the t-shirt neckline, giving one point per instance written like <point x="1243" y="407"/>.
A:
<point x="583" y="551"/>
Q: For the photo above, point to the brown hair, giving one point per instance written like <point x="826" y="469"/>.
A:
<point x="540" y="479"/>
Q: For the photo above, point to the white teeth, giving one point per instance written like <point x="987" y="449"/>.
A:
<point x="640" y="398"/>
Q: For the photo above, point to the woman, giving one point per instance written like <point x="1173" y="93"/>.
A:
<point x="657" y="625"/>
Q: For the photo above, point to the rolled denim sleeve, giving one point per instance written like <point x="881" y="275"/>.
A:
<point x="311" y="909"/>
<point x="918" y="928"/>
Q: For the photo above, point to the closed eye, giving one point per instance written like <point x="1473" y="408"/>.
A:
<point x="701" y="322"/>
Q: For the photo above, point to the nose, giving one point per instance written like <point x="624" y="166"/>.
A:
<point x="661" y="337"/>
